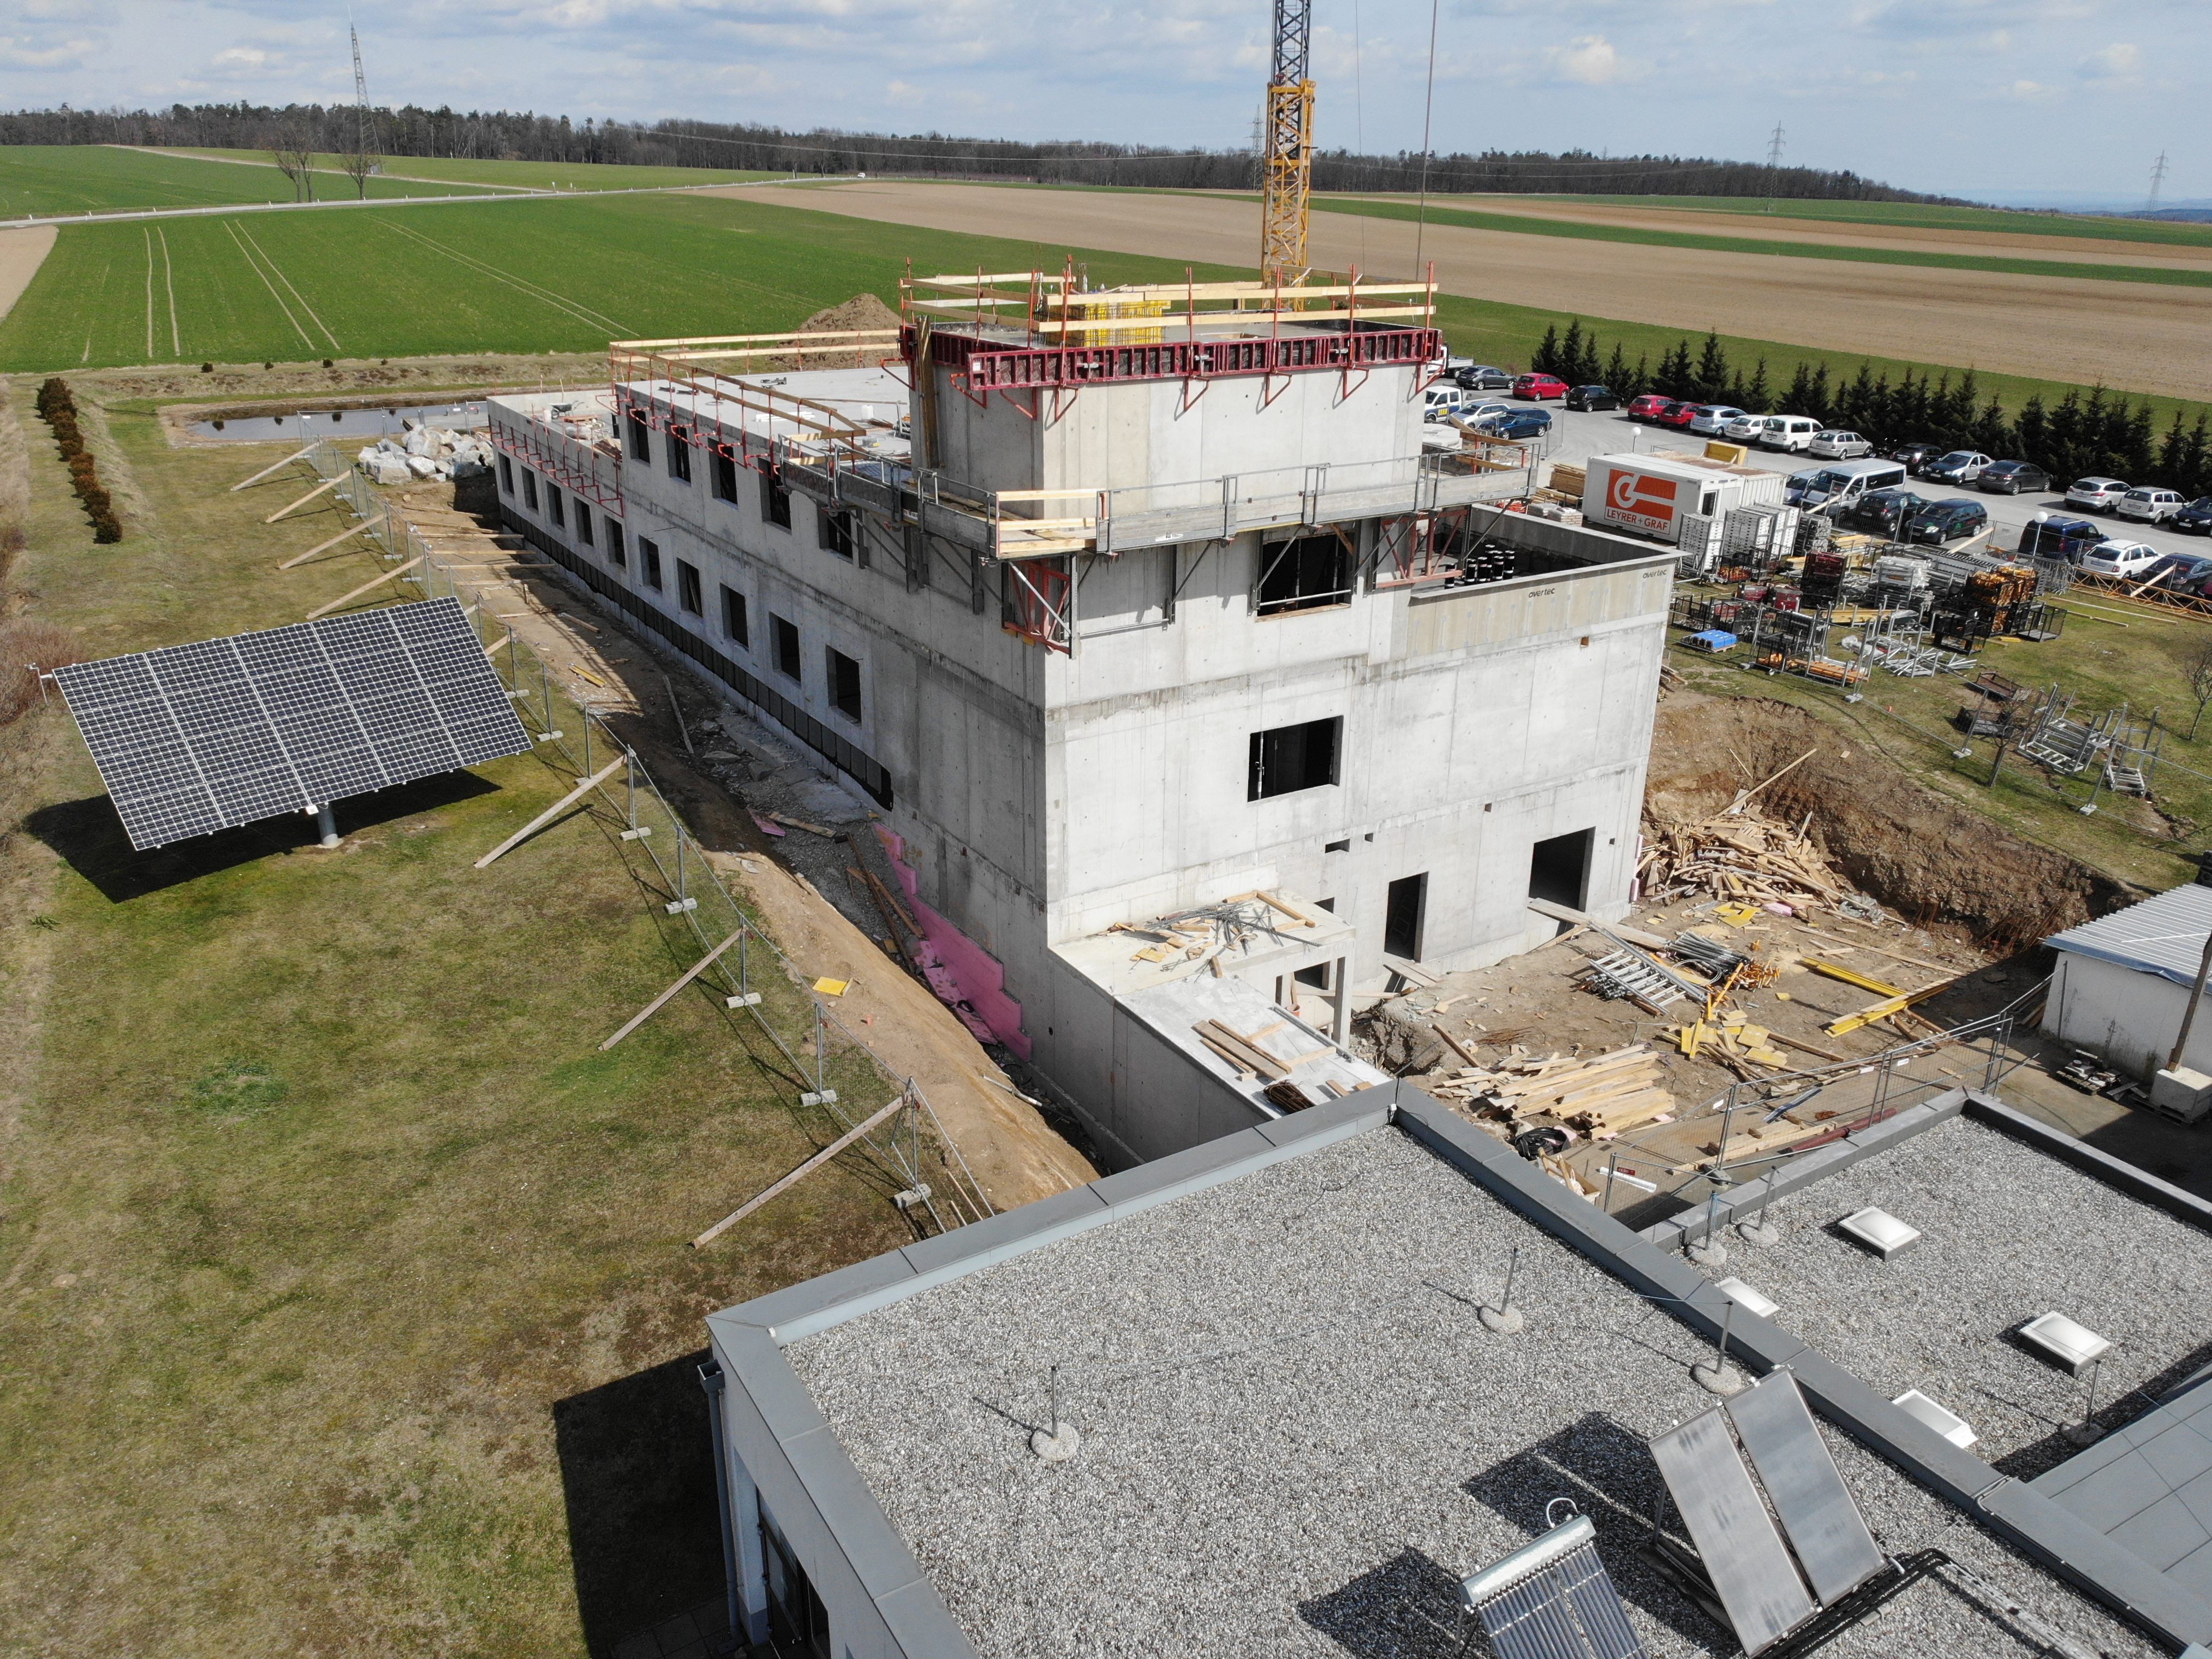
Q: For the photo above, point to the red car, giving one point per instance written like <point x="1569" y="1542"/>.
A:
<point x="1540" y="386"/>
<point x="1648" y="407"/>
<point x="1676" y="415"/>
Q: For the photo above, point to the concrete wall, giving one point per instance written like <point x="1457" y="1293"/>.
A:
<point x="1155" y="431"/>
<point x="2130" y="1017"/>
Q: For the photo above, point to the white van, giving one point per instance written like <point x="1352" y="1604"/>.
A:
<point x="1840" y="484"/>
<point x="1438" y="401"/>
<point x="1791" y="434"/>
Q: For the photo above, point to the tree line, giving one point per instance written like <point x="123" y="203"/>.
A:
<point x="503" y="134"/>
<point x="2082" y="434"/>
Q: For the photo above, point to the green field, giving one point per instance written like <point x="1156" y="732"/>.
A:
<point x="546" y="275"/>
<point x="53" y="179"/>
<point x="1523" y="225"/>
<point x="532" y="175"/>
<point x="1926" y="215"/>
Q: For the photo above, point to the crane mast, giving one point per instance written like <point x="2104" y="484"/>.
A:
<point x="1287" y="163"/>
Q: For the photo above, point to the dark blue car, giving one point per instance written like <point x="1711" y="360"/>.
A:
<point x="1518" y="423"/>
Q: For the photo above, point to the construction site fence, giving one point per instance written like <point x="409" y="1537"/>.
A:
<point x="1892" y="1091"/>
<point x="829" y="1075"/>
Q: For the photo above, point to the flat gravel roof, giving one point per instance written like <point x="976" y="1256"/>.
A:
<point x="1297" y="1435"/>
<point x="2006" y="1233"/>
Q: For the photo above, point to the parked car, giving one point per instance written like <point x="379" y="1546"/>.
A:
<point x="1916" y="455"/>
<point x="1481" y="377"/>
<point x="2010" y="478"/>
<point x="1438" y="401"/>
<point x="1676" y="415"/>
<point x="1591" y="397"/>
<point x="2180" y="570"/>
<point x="2056" y="536"/>
<point x="1838" y="486"/>
<point x="2126" y="560"/>
<point x="1517" y="423"/>
<point x="1788" y="433"/>
<point x="2196" y="518"/>
<point x="2095" y="495"/>
<point x="1709" y="418"/>
<point x="1883" y="510"/>
<point x="1474" y="412"/>
<point x="1835" y="445"/>
<point x="1537" y="387"/>
<point x="1947" y="520"/>
<point x="1957" y="466"/>
<point x="1647" y="407"/>
<point x="2149" y="506"/>
<point x="1745" y="429"/>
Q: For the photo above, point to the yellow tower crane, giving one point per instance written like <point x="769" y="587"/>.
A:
<point x="1287" y="163"/>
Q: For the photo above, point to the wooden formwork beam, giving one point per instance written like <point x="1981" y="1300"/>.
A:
<point x="276" y="467"/>
<point x="660" y="1001"/>
<point x="389" y="575"/>
<point x="327" y="484"/>
<point x="796" y="1175"/>
<point x="553" y="811"/>
<point x="325" y="547"/>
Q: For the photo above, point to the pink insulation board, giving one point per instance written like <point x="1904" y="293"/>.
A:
<point x="968" y="979"/>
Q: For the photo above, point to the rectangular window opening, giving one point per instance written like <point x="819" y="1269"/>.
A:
<point x="640" y="439"/>
<point x="734" y="621"/>
<point x="786" y="648"/>
<point x="505" y="476"/>
<point x="1293" y="757"/>
<point x="834" y="532"/>
<point x="617" y="556"/>
<point x="776" y="501"/>
<point x="1305" y="574"/>
<point x="680" y="453"/>
<point x="584" y="524"/>
<point x="530" y="489"/>
<point x="722" y="475"/>
<point x="687" y="588"/>
<point x="1403" y="915"/>
<point x="553" y="508"/>
<point x="648" y="559"/>
<point x="1559" y="869"/>
<point x="844" y="684"/>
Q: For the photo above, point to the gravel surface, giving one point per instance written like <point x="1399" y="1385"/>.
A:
<point x="2007" y="1233"/>
<point x="1297" y="1435"/>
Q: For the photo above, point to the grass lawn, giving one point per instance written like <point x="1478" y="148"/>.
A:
<point x="44" y="179"/>
<point x="347" y="1307"/>
<point x="531" y="175"/>
<point x="2140" y="661"/>
<point x="1927" y="215"/>
<point x="1526" y="225"/>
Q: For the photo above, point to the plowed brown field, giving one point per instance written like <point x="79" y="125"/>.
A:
<point x="2140" y="337"/>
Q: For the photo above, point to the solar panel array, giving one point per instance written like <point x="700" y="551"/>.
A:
<point x="1566" y="1609"/>
<point x="193" y="739"/>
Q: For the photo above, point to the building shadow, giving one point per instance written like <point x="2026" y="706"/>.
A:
<point x="90" y="838"/>
<point x="1408" y="1606"/>
<point x="637" y="1479"/>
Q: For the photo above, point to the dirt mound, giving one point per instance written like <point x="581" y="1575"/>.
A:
<point x="1923" y="856"/>
<point x="861" y="311"/>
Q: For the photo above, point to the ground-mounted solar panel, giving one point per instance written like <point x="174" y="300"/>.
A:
<point x="193" y="739"/>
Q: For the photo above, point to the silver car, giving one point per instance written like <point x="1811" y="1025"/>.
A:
<point x="2096" y="494"/>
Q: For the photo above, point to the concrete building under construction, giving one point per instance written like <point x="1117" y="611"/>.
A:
<point x="1190" y="685"/>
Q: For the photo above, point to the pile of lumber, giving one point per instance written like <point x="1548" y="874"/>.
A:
<point x="1731" y="1037"/>
<point x="1243" y="1051"/>
<point x="1744" y="856"/>
<point x="1601" y="1095"/>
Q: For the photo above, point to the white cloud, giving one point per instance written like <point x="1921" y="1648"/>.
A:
<point x="2120" y="61"/>
<point x="2030" y="91"/>
<point x="241" y="58"/>
<point x="16" y="52"/>
<point x="1588" y="58"/>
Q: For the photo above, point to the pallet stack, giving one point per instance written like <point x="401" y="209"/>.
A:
<point x="1601" y="1095"/>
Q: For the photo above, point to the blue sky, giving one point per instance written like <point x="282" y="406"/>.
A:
<point x="2023" y="99"/>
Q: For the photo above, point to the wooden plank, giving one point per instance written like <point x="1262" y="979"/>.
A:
<point x="1218" y="1036"/>
<point x="1457" y="1046"/>
<point x="276" y="467"/>
<point x="1567" y="913"/>
<point x="1411" y="972"/>
<point x="1850" y="976"/>
<point x="327" y="484"/>
<point x="553" y="811"/>
<point x="324" y="547"/>
<point x="796" y="1175"/>
<point x="345" y="599"/>
<point x="884" y="896"/>
<point x="659" y="1002"/>
<point x="1884" y="1009"/>
<point x="801" y="823"/>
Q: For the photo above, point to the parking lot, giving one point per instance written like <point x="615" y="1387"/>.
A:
<point x="1575" y="437"/>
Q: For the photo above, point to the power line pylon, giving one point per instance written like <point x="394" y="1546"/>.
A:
<point x="1286" y="176"/>
<point x="2157" y="178"/>
<point x="1774" y="147"/>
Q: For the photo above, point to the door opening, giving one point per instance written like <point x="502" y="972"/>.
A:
<point x="1559" y="869"/>
<point x="1402" y="918"/>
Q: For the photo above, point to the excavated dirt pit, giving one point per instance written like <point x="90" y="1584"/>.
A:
<point x="1930" y="861"/>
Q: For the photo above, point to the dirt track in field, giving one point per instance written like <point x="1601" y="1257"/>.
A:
<point x="23" y="249"/>
<point x="2138" y="337"/>
<point x="1903" y="239"/>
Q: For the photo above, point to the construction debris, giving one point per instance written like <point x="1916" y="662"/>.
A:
<point x="1746" y="858"/>
<point x="427" y="452"/>
<point x="1600" y="1097"/>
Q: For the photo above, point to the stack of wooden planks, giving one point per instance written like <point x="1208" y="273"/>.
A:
<point x="1743" y="856"/>
<point x="1602" y="1094"/>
